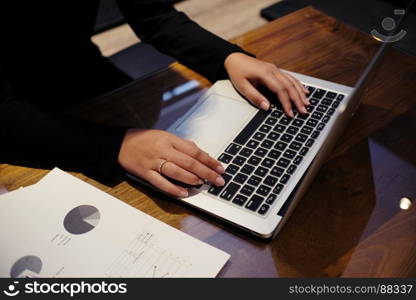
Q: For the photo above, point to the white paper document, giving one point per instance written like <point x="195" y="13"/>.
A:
<point x="64" y="227"/>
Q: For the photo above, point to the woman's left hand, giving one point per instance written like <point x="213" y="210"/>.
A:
<point x="246" y="73"/>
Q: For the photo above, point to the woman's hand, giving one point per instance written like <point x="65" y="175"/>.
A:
<point x="143" y="151"/>
<point x="247" y="72"/>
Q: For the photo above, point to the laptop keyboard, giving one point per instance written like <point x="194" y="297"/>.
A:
<point x="266" y="153"/>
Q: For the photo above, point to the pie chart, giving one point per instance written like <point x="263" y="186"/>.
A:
<point x="26" y="265"/>
<point x="82" y="219"/>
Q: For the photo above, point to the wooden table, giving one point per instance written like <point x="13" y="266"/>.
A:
<point x="349" y="222"/>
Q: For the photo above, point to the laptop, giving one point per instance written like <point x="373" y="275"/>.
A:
<point x="269" y="158"/>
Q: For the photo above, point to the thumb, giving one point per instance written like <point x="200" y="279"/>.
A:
<point x="253" y="95"/>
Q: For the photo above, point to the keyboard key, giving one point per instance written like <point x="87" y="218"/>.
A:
<point x="251" y="127"/>
<point x="271" y="121"/>
<point x="239" y="200"/>
<point x="215" y="190"/>
<point x="254" y="180"/>
<point x="265" y="128"/>
<point x="268" y="163"/>
<point x="326" y="101"/>
<point x="260" y="171"/>
<point x="263" y="209"/>
<point x="317" y="115"/>
<point x="320" y="126"/>
<point x="240" y="178"/>
<point x="335" y="104"/>
<point x="246" y="152"/>
<point x="287" y="138"/>
<point x="289" y="154"/>
<point x="279" y="128"/>
<point x="292" y="130"/>
<point x="285" y="178"/>
<point x="230" y="191"/>
<point x="278" y="188"/>
<point x="319" y="93"/>
<point x="303" y="116"/>
<point x="310" y="108"/>
<point x="239" y="160"/>
<point x="312" y="122"/>
<point x="247" y="190"/>
<point x="310" y="89"/>
<point x="298" y="122"/>
<point x="225" y="158"/>
<point x="331" y="111"/>
<point x="254" y="202"/>
<point x="274" y="154"/>
<point x="315" y="134"/>
<point x="313" y="101"/>
<point x="285" y="121"/>
<point x="261" y="152"/>
<point x="298" y="159"/>
<point x="276" y="171"/>
<point x="291" y="169"/>
<point x="295" y="146"/>
<point x="263" y="190"/>
<point x="233" y="149"/>
<point x="252" y="144"/>
<point x="270" y="200"/>
<point x="247" y="169"/>
<point x="231" y="169"/>
<point x="270" y="180"/>
<point x="283" y="162"/>
<point x="340" y="97"/>
<point x="306" y="130"/>
<point x="301" y="138"/>
<point x="277" y="113"/>
<point x="331" y="95"/>
<point x="309" y="143"/>
<point x="280" y="146"/>
<point x="303" y="151"/>
<point x="273" y="136"/>
<point x="267" y="144"/>
<point x="322" y="108"/>
<point x="254" y="160"/>
<point x="325" y="119"/>
<point x="259" y="136"/>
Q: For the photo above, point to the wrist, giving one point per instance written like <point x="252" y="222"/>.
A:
<point x="230" y="59"/>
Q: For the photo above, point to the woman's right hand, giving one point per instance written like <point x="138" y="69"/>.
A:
<point x="143" y="150"/>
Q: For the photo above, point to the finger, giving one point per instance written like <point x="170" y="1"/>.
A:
<point x="173" y="171"/>
<point x="191" y="149"/>
<point x="165" y="185"/>
<point x="276" y="87"/>
<point x="195" y="167"/>
<point x="292" y="91"/>
<point x="253" y="95"/>
<point x="300" y="88"/>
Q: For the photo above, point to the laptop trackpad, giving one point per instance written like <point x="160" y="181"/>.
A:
<point x="214" y="122"/>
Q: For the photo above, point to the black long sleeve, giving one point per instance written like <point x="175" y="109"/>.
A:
<point x="47" y="64"/>
<point x="33" y="137"/>
<point x="158" y="23"/>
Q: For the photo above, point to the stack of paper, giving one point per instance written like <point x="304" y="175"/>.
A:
<point x="64" y="227"/>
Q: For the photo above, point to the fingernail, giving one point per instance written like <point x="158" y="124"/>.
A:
<point x="220" y="169"/>
<point x="264" y="105"/>
<point x="200" y="181"/>
<point x="291" y="114"/>
<point x="184" y="194"/>
<point x="219" y="181"/>
<point x="304" y="110"/>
